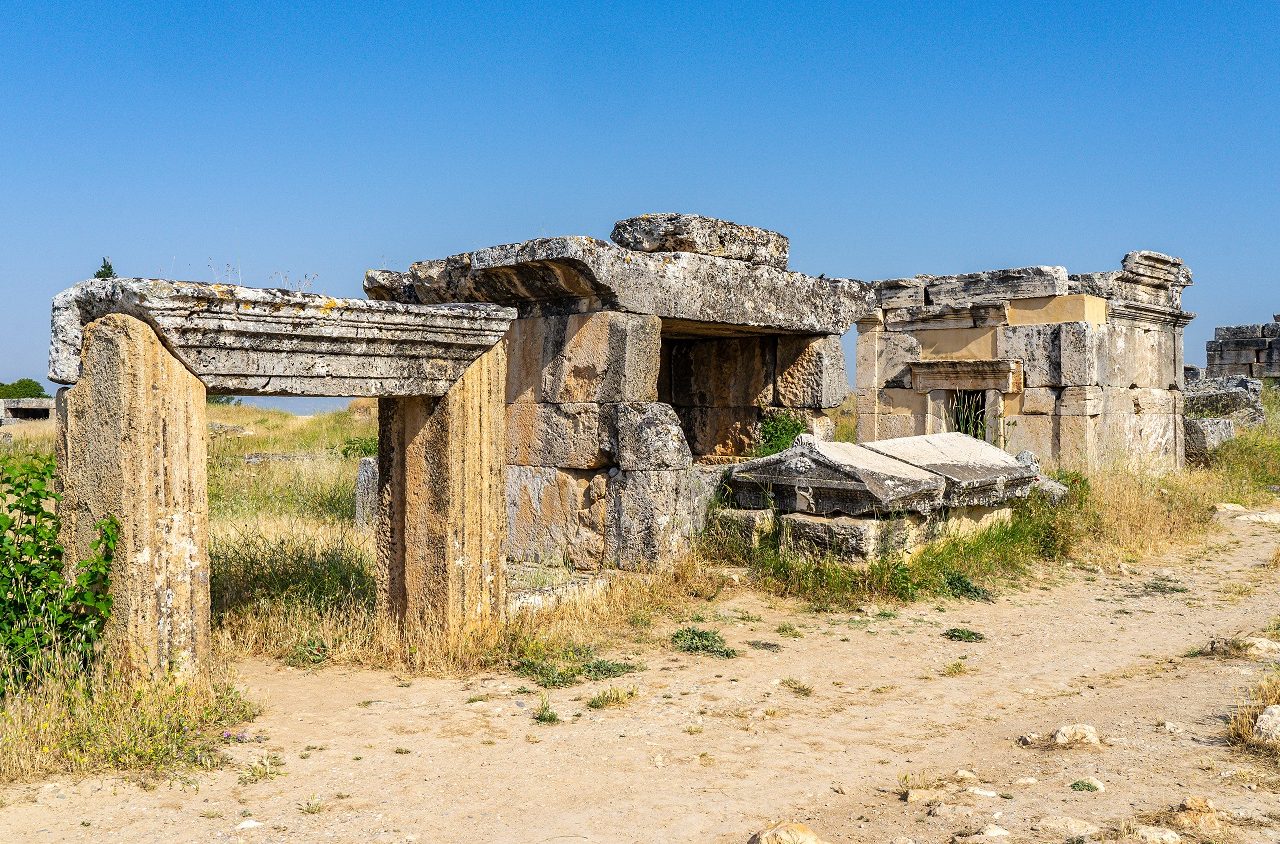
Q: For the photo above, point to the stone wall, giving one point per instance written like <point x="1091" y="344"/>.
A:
<point x="1249" y="350"/>
<point x="1082" y="370"/>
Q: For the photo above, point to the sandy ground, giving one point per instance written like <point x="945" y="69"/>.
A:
<point x="712" y="750"/>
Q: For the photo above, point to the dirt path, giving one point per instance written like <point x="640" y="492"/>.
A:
<point x="711" y="750"/>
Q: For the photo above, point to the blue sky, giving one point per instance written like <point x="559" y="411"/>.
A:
<point x="261" y="140"/>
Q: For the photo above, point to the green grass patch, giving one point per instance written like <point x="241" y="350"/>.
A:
<point x="695" y="640"/>
<point x="964" y="634"/>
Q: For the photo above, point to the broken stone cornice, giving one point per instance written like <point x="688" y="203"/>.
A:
<point x="702" y="235"/>
<point x="670" y="285"/>
<point x="252" y="341"/>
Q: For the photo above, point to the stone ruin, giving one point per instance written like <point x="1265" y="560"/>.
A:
<point x="568" y="401"/>
<point x="634" y="367"/>
<point x="1226" y="396"/>
<point x="857" y="502"/>
<point x="1249" y="351"/>
<point x="1082" y="370"/>
<point x="13" y="411"/>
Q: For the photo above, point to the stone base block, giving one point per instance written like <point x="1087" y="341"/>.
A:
<point x="601" y="357"/>
<point x="1205" y="435"/>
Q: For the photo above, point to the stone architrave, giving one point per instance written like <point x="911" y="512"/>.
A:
<point x="131" y="445"/>
<point x="442" y="522"/>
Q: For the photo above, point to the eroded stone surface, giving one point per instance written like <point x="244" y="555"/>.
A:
<point x="1205" y="435"/>
<point x="131" y="445"/>
<point x="248" y="341"/>
<point x="582" y="273"/>
<point x="703" y="235"/>
<point x="977" y="473"/>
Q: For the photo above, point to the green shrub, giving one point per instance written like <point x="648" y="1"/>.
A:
<point x="777" y="432"/>
<point x="360" y="447"/>
<point x="23" y="388"/>
<point x="695" y="640"/>
<point x="44" y="614"/>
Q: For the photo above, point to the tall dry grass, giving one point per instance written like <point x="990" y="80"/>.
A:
<point x="1240" y="727"/>
<point x="66" y="721"/>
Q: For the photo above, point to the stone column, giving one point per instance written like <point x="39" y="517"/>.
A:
<point x="442" y="513"/>
<point x="132" y="444"/>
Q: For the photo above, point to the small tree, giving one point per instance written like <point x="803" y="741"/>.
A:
<point x="106" y="270"/>
<point x="23" y="388"/>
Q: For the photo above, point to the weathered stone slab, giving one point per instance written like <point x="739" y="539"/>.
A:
<point x="652" y="516"/>
<point x="1004" y="376"/>
<point x="366" y="492"/>
<point x="827" y="478"/>
<point x="556" y="516"/>
<point x="1239" y="399"/>
<point x="1237" y="332"/>
<point x="744" y="528"/>
<point x="847" y="537"/>
<point x="602" y="356"/>
<point x="582" y="273"/>
<point x="720" y="430"/>
<point x="441" y="492"/>
<point x="1205" y="435"/>
<point x="131" y="445"/>
<point x="703" y="235"/>
<point x="1039" y="401"/>
<point x="977" y="473"/>
<point x="996" y="286"/>
<point x="247" y="341"/>
<point x="638" y="435"/>
<point x="810" y="373"/>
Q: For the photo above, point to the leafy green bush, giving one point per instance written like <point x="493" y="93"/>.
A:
<point x="23" y="388"/>
<point x="44" y="614"/>
<point x="695" y="640"/>
<point x="360" y="447"/>
<point x="777" y="432"/>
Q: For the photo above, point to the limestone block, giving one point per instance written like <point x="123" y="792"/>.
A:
<point x="810" y="372"/>
<point x="720" y="430"/>
<point x="601" y="357"/>
<point x="366" y="492"/>
<point x="1237" y="332"/>
<point x="1239" y="399"/>
<point x="884" y="358"/>
<point x="248" y="341"/>
<point x="960" y="344"/>
<point x="885" y="426"/>
<point x="647" y="435"/>
<point x="1149" y="442"/>
<point x="900" y="293"/>
<point x="1141" y="356"/>
<point x="570" y="436"/>
<point x="556" y="516"/>
<point x="550" y="273"/>
<point x="1081" y="401"/>
<point x="740" y="529"/>
<point x="1039" y="401"/>
<point x="441" y="494"/>
<point x="652" y="517"/>
<point x="1037" y="434"/>
<point x="1078" y="443"/>
<point x="845" y="537"/>
<point x="997" y="286"/>
<point x="703" y="235"/>
<point x="977" y="473"/>
<point x="132" y="445"/>
<point x="723" y="372"/>
<point x="1205" y="435"/>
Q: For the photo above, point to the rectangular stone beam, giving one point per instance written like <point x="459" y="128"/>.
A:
<point x="131" y="445"/>
<point x="248" y="341"/>
<point x="442" y="513"/>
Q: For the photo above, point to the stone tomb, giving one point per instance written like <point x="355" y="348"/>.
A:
<point x="859" y="501"/>
<point x="1252" y="351"/>
<point x="13" y="411"/>
<point x="635" y="366"/>
<point x="140" y="356"/>
<point x="1082" y="370"/>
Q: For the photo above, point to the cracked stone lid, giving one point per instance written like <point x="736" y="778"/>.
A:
<point x="977" y="472"/>
<point x="702" y="235"/>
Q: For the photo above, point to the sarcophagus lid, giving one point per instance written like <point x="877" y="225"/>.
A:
<point x="834" y="478"/>
<point x="977" y="473"/>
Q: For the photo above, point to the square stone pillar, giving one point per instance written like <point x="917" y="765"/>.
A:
<point x="442" y="514"/>
<point x="132" y="445"/>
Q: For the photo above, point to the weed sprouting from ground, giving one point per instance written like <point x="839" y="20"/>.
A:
<point x="789" y="630"/>
<point x="1083" y="785"/>
<point x="964" y="634"/>
<point x="760" y="645"/>
<point x="955" y="669"/>
<point x="797" y="688"/>
<point x="612" y="697"/>
<point x="695" y="640"/>
<point x="544" y="714"/>
<point x="554" y="668"/>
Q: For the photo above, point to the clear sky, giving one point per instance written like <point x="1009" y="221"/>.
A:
<point x="251" y="141"/>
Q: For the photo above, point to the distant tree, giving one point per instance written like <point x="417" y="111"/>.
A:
<point x="222" y="400"/>
<point x="106" y="270"/>
<point x="23" y="388"/>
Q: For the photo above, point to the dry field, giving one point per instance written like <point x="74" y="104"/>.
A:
<point x="867" y="716"/>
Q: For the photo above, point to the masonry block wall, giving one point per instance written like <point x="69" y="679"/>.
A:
<point x="1249" y="350"/>
<point x="1083" y="370"/>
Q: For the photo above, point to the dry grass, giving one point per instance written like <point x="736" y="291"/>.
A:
<point x="1131" y="515"/>
<point x="30" y="437"/>
<point x="1240" y="727"/>
<point x="305" y="594"/>
<point x="846" y="420"/>
<point x="66" y="722"/>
